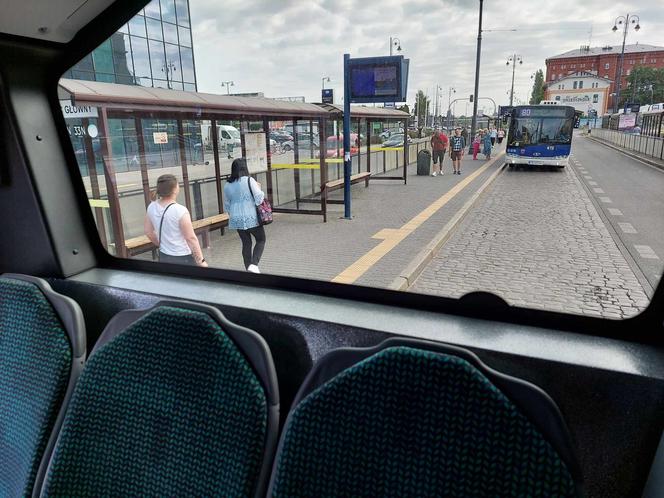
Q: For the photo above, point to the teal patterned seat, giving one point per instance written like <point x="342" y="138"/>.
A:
<point x="174" y="401"/>
<point x="41" y="352"/>
<point x="403" y="421"/>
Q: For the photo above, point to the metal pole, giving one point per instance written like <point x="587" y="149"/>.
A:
<point x="477" y="77"/>
<point x="347" y="157"/>
<point x="513" y="71"/>
<point x="390" y="46"/>
<point x="620" y="65"/>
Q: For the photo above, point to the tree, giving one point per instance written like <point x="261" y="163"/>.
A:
<point x="405" y="108"/>
<point x="645" y="85"/>
<point x="421" y="106"/>
<point x="537" y="94"/>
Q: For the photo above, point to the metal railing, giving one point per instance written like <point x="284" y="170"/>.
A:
<point x="643" y="145"/>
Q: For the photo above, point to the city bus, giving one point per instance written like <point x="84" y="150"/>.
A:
<point x="540" y="135"/>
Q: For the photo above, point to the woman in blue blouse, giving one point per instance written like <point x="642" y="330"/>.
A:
<point x="241" y="196"/>
<point x="487" y="144"/>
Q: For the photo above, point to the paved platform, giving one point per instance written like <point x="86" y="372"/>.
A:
<point x="383" y="225"/>
<point x="545" y="247"/>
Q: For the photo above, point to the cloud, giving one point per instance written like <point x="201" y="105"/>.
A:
<point x="285" y="47"/>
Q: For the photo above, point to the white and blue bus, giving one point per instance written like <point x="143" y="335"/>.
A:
<point x="540" y="135"/>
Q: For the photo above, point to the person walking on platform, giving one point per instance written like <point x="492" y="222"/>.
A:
<point x="439" y="143"/>
<point x="457" y="147"/>
<point x="241" y="196"/>
<point x="464" y="134"/>
<point x="501" y="135"/>
<point x="476" y="145"/>
<point x="493" y="134"/>
<point x="488" y="142"/>
<point x="168" y="226"/>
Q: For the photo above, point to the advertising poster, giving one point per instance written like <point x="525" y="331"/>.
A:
<point x="256" y="156"/>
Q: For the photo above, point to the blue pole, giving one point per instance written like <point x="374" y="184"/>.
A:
<point x="347" y="157"/>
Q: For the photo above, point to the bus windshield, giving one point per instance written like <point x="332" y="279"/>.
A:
<point x="549" y="130"/>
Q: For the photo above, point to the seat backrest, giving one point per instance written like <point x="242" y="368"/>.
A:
<point x="411" y="418"/>
<point x="174" y="401"/>
<point x="42" y="350"/>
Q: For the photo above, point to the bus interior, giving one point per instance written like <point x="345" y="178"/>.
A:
<point x="591" y="389"/>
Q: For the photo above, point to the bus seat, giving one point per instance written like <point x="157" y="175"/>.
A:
<point x="174" y="401"/>
<point x="412" y="418"/>
<point x="42" y="350"/>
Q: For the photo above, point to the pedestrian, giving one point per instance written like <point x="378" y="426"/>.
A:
<point x="439" y="143"/>
<point x="457" y="147"/>
<point x="168" y="226"/>
<point x="501" y="135"/>
<point x="488" y="142"/>
<point x="476" y="145"/>
<point x="464" y="134"/>
<point x="241" y="196"/>
<point x="493" y="134"/>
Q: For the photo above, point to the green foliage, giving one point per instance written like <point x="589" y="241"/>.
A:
<point x="639" y="84"/>
<point x="405" y="108"/>
<point x="421" y="105"/>
<point x="537" y="94"/>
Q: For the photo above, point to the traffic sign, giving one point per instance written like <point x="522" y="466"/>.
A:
<point x="327" y="96"/>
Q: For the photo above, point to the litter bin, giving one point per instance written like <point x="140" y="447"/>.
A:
<point x="423" y="163"/>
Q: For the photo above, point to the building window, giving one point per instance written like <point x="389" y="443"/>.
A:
<point x="629" y="71"/>
<point x="563" y="66"/>
<point x="653" y="61"/>
<point x="170" y="33"/>
<point x="183" y="12"/>
<point x="137" y="26"/>
<point x="575" y="85"/>
<point x="168" y="11"/>
<point x="631" y="62"/>
<point x="606" y="76"/>
<point x="606" y="65"/>
<point x="595" y="98"/>
<point x="580" y="84"/>
<point x="573" y="66"/>
<point x="154" y="29"/>
<point x="152" y="10"/>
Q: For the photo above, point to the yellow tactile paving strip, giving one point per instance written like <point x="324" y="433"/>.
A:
<point x="391" y="237"/>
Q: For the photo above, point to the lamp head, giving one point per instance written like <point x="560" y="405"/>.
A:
<point x="637" y="27"/>
<point x="615" y="28"/>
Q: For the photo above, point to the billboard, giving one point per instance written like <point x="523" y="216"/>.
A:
<point x="627" y="121"/>
<point x="327" y="96"/>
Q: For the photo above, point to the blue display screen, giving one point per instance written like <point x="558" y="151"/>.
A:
<point x="374" y="81"/>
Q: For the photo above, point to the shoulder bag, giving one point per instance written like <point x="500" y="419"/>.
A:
<point x="263" y="210"/>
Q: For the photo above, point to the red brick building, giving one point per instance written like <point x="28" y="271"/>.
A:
<point x="603" y="61"/>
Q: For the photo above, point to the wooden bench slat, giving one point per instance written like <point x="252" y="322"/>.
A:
<point x="205" y="224"/>
<point x="353" y="179"/>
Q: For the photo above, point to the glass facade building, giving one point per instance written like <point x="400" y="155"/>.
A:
<point x="153" y="49"/>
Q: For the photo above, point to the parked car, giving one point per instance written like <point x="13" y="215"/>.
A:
<point x="394" y="141"/>
<point x="332" y="145"/>
<point x="280" y="136"/>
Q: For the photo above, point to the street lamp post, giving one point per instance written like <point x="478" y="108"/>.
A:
<point x="324" y="79"/>
<point x="449" y="105"/>
<point x="395" y="42"/>
<point x="228" y="85"/>
<point x="620" y="20"/>
<point x="473" y="125"/>
<point x="514" y="58"/>
<point x="169" y="68"/>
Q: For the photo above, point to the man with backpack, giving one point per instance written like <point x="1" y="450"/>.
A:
<point x="439" y="144"/>
<point x="457" y="146"/>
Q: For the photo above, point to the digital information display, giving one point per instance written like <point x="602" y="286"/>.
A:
<point x="548" y="112"/>
<point x="378" y="79"/>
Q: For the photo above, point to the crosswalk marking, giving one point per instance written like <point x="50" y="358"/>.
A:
<point x="627" y="228"/>
<point x="598" y="191"/>
<point x="615" y="211"/>
<point x="645" y="252"/>
<point x="592" y="183"/>
<point x="606" y="200"/>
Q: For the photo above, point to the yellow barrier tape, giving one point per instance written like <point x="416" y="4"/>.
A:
<point x="295" y="166"/>
<point x="99" y="203"/>
<point x="391" y="148"/>
<point x="314" y="160"/>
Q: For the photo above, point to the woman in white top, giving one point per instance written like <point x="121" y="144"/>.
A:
<point x="241" y="196"/>
<point x="168" y="226"/>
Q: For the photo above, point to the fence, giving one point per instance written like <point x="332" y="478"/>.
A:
<point x="646" y="146"/>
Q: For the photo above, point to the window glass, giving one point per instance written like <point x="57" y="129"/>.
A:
<point x="182" y="12"/>
<point x="185" y="36"/>
<point x="168" y="11"/>
<point x="560" y="230"/>
<point x="141" y="59"/>
<point x="187" y="65"/>
<point x="173" y="63"/>
<point x="152" y="10"/>
<point x="154" y="29"/>
<point x="170" y="33"/>
<point x="137" y="26"/>
<point x="157" y="59"/>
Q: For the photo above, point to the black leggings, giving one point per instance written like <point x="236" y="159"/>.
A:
<point x="245" y="236"/>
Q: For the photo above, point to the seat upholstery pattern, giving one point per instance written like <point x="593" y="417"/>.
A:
<point x="411" y="422"/>
<point x="169" y="407"/>
<point x="35" y="364"/>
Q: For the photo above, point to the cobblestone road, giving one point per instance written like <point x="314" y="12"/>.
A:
<point x="536" y="239"/>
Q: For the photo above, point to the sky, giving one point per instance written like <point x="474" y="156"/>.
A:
<point x="285" y="47"/>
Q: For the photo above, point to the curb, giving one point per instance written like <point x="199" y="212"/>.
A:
<point x="631" y="154"/>
<point x="413" y="270"/>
